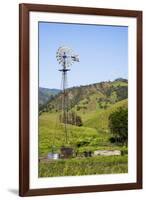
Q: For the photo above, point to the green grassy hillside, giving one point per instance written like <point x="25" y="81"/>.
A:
<point x="99" y="120"/>
<point x="93" y="103"/>
<point x="91" y="97"/>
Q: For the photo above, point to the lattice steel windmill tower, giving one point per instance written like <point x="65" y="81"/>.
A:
<point x="66" y="57"/>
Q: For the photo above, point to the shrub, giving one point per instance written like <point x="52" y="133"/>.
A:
<point x="112" y="140"/>
<point x="124" y="152"/>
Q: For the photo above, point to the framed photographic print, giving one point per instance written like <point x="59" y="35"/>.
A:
<point x="80" y="99"/>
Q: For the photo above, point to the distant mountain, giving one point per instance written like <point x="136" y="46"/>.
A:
<point x="46" y="94"/>
<point x="121" y="79"/>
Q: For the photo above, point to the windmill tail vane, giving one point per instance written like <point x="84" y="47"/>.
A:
<point x="75" y="58"/>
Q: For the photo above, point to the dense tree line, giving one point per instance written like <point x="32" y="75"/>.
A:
<point x="71" y="118"/>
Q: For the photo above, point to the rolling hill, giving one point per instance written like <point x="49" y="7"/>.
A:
<point x="93" y="103"/>
<point x="92" y="97"/>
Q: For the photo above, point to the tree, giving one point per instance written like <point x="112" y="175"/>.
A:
<point x="72" y="118"/>
<point x="118" y="124"/>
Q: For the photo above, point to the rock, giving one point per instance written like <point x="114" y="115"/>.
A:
<point x="107" y="153"/>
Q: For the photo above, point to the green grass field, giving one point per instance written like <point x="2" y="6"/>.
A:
<point x="84" y="166"/>
<point x="93" y="135"/>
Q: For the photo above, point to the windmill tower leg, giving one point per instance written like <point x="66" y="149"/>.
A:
<point x="65" y="106"/>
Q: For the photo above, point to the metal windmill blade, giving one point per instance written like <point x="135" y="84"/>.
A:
<point x="66" y="56"/>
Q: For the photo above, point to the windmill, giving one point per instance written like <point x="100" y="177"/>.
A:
<point x="66" y="57"/>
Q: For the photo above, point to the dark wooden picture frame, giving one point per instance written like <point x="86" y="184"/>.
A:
<point x="24" y="9"/>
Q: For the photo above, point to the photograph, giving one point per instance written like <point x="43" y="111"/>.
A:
<point x="82" y="99"/>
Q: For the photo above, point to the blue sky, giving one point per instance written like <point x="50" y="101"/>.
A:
<point x="102" y="50"/>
